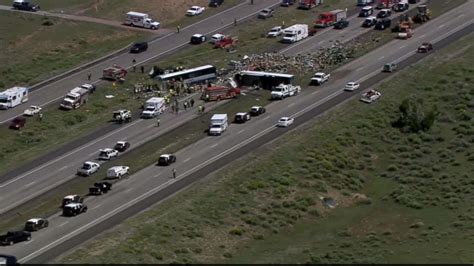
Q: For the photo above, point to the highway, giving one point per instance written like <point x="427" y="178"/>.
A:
<point x="155" y="183"/>
<point x="21" y="186"/>
<point x="157" y="48"/>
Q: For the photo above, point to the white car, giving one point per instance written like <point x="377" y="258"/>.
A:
<point x="285" y="121"/>
<point x="195" y="10"/>
<point x="216" y="37"/>
<point x="107" y="154"/>
<point x="351" y="86"/>
<point x="370" y="96"/>
<point x="88" y="168"/>
<point x="32" y="110"/>
<point x="275" y="31"/>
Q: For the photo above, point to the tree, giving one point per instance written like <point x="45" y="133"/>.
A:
<point x="413" y="117"/>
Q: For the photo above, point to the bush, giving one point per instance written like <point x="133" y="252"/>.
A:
<point x="236" y="231"/>
<point x="413" y="117"/>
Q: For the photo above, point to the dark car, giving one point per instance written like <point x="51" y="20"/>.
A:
<point x="369" y="22"/>
<point x="287" y="3"/>
<point x="8" y="260"/>
<point x="241" y="117"/>
<point x="121" y="146"/>
<point x="36" y="224"/>
<point x="139" y="47"/>
<point x="383" y="24"/>
<point x="257" y="110"/>
<point x="166" y="159"/>
<point x="384" y="13"/>
<point x="13" y="237"/>
<point x="197" y="39"/>
<point x="17" y="123"/>
<point x="73" y="209"/>
<point x="215" y="3"/>
<point x="71" y="199"/>
<point x="25" y="5"/>
<point x="341" y="24"/>
<point x="425" y="47"/>
<point x="100" y="188"/>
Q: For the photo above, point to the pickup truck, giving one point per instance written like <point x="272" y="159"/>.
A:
<point x="284" y="90"/>
<point x="13" y="237"/>
<point x="88" y="168"/>
<point x="275" y="31"/>
<point x="319" y="78"/>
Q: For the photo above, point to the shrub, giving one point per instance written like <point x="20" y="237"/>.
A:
<point x="236" y="231"/>
<point x="412" y="117"/>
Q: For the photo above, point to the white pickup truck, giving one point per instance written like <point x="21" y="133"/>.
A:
<point x="284" y="90"/>
<point x="88" y="168"/>
<point x="319" y="78"/>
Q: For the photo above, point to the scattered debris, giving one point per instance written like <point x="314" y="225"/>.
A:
<point x="328" y="202"/>
<point x="109" y="96"/>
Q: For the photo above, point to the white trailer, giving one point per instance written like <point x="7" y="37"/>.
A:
<point x="13" y="97"/>
<point x="137" y="19"/>
<point x="218" y="124"/>
<point x="295" y="33"/>
<point x="153" y="107"/>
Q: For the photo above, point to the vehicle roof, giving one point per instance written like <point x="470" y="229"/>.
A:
<point x="70" y="196"/>
<point x="13" y="90"/>
<point x="256" y="107"/>
<point x="34" y="106"/>
<point x="267" y="9"/>
<point x="367" y="7"/>
<point x="241" y="113"/>
<point x="371" y="17"/>
<point x="72" y="205"/>
<point x="116" y="167"/>
<point x="219" y="116"/>
<point x="197" y="35"/>
<point x="166" y="76"/>
<point x="217" y="35"/>
<point x="385" y="10"/>
<point x="352" y="82"/>
<point x="165" y="155"/>
<point x="284" y="118"/>
<point x="262" y="74"/>
<point x="89" y="162"/>
<point x="122" y="142"/>
<point x="195" y="7"/>
<point x="133" y="13"/>
<point x="107" y="149"/>
<point x="319" y="73"/>
<point x="34" y="220"/>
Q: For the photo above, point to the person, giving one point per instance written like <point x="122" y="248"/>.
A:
<point x="200" y="108"/>
<point x="207" y="97"/>
<point x="251" y="2"/>
<point x="177" y="109"/>
<point x="235" y="22"/>
<point x="185" y="104"/>
<point x="174" y="172"/>
<point x="157" y="121"/>
<point x="192" y="102"/>
<point x="178" y="28"/>
<point x="134" y="65"/>
<point x="142" y="69"/>
<point x="40" y="116"/>
<point x="89" y="75"/>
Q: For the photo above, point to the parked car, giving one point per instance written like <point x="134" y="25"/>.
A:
<point x="25" y="5"/>
<point x="216" y="38"/>
<point x="117" y="171"/>
<point x="88" y="168"/>
<point x="197" y="39"/>
<point x="90" y="87"/>
<point x="384" y="13"/>
<point x="17" y="123"/>
<point x="366" y="11"/>
<point x="275" y="31"/>
<point x="71" y="199"/>
<point x="370" y="96"/>
<point x="257" y="110"/>
<point x="351" y="86"/>
<point x="215" y="3"/>
<point x="32" y="110"/>
<point x="266" y="13"/>
<point x="36" y="224"/>
<point x="73" y="209"/>
<point x="100" y="188"/>
<point x="241" y="117"/>
<point x="425" y="47"/>
<point x="369" y="22"/>
<point x="341" y="24"/>
<point x="139" y="47"/>
<point x="383" y="24"/>
<point x="390" y="67"/>
<point x="166" y="159"/>
<point x="285" y="121"/>
<point x="195" y="10"/>
<point x="13" y="237"/>
<point x="107" y="154"/>
<point x="8" y="260"/>
<point x="122" y="146"/>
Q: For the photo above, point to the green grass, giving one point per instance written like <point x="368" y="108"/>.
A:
<point x="265" y="208"/>
<point x="34" y="52"/>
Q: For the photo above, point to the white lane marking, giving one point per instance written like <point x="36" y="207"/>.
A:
<point x="462" y="15"/>
<point x="28" y="242"/>
<point x="359" y="69"/>
<point x="320" y="42"/>
<point x="401" y="47"/>
<point x="68" y="154"/>
<point x="185" y="160"/>
<point x="441" y="26"/>
<point x="92" y="153"/>
<point x="421" y="36"/>
<point x="63" y="224"/>
<point x="30" y="184"/>
<point x="128" y="190"/>
<point x="291" y="104"/>
<point x="215" y="145"/>
<point x="96" y="207"/>
<point x="314" y="92"/>
<point x="241" y="131"/>
<point x="266" y="118"/>
<point x="62" y="168"/>
<point x="382" y="57"/>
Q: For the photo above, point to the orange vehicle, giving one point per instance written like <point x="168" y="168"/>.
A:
<point x="226" y="42"/>
<point x="217" y="93"/>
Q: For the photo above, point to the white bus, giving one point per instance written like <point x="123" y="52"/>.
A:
<point x="265" y="80"/>
<point x="13" y="97"/>
<point x="190" y="76"/>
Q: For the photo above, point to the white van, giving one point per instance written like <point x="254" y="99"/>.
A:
<point x="117" y="171"/>
<point x="218" y="124"/>
<point x="137" y="19"/>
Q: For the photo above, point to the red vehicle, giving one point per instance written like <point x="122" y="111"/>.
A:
<point x="114" y="73"/>
<point x="217" y="93"/>
<point x="226" y="42"/>
<point x="18" y="123"/>
<point x="385" y="4"/>
<point x="327" y="19"/>
<point x="308" y="4"/>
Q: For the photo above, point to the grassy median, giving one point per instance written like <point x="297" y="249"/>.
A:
<point x="402" y="197"/>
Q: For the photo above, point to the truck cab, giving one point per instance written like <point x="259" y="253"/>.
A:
<point x="319" y="78"/>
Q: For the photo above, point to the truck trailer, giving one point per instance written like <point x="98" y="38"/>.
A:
<point x="137" y="19"/>
<point x="295" y="33"/>
<point x="13" y="97"/>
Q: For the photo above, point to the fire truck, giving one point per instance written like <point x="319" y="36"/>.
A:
<point x="114" y="72"/>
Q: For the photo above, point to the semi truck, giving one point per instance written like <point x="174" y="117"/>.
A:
<point x="13" y="97"/>
<point x="218" y="124"/>
<point x="327" y="19"/>
<point x="75" y="98"/>
<point x="295" y="33"/>
<point x="308" y="4"/>
<point x="137" y="19"/>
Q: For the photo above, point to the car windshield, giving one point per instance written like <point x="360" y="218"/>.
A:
<point x="215" y="126"/>
<point x="276" y="89"/>
<point x="150" y="108"/>
<point x="194" y="8"/>
<point x="88" y="166"/>
<point x="30" y="224"/>
<point x="265" y="11"/>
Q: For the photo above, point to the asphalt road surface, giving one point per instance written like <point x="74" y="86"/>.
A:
<point x="195" y="161"/>
<point x="157" y="48"/>
<point x="58" y="167"/>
